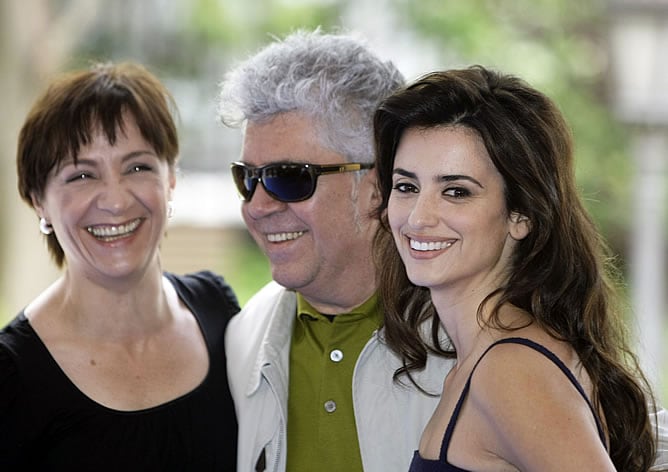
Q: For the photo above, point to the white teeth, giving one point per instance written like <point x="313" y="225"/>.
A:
<point x="113" y="231"/>
<point x="430" y="246"/>
<point x="278" y="237"/>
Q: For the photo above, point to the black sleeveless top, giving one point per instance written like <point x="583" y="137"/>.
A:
<point x="419" y="464"/>
<point x="46" y="423"/>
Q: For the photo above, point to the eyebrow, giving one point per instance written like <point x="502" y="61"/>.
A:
<point x="126" y="157"/>
<point x="440" y="178"/>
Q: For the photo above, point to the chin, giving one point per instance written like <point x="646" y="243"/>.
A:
<point x="421" y="281"/>
<point x="295" y="280"/>
<point x="286" y="278"/>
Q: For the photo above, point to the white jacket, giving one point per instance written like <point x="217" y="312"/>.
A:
<point x="390" y="417"/>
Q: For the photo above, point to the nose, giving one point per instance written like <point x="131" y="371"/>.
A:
<point x="114" y="197"/>
<point x="262" y="204"/>
<point x="424" y="212"/>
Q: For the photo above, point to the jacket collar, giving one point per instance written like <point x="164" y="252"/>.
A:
<point x="274" y="354"/>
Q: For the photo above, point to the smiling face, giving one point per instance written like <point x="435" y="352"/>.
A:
<point x="109" y="211"/>
<point x="447" y="212"/>
<point x="320" y="246"/>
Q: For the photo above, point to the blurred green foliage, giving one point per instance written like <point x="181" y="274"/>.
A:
<point x="246" y="269"/>
<point x="232" y="22"/>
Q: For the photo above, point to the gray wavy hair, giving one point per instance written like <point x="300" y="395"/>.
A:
<point x="333" y="78"/>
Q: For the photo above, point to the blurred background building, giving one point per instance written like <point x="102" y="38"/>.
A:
<point x="600" y="60"/>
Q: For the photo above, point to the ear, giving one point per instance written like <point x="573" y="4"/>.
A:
<point x="519" y="226"/>
<point x="172" y="182"/>
<point x="372" y="178"/>
<point x="37" y="205"/>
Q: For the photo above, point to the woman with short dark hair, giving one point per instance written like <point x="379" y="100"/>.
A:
<point x="117" y="365"/>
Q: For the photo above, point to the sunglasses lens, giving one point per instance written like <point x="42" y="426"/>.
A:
<point x="288" y="182"/>
<point x="243" y="180"/>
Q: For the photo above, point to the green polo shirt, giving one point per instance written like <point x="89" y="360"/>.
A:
<point x="322" y="434"/>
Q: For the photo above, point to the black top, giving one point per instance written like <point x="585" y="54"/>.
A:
<point x="46" y="423"/>
<point x="442" y="465"/>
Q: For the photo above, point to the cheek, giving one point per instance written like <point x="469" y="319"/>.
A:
<point x="245" y="214"/>
<point x="155" y="192"/>
<point x="487" y="231"/>
<point x="396" y="214"/>
<point x="64" y="205"/>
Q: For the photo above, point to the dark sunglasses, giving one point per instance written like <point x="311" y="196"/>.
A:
<point x="286" y="181"/>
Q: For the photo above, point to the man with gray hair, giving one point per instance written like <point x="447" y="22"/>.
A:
<point x="311" y="377"/>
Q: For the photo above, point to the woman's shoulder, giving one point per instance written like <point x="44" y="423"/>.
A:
<point x="11" y="393"/>
<point x="15" y="336"/>
<point x="15" y="341"/>
<point x="521" y="365"/>
<point x="521" y="389"/>
<point x="206" y="287"/>
<point x="8" y="371"/>
<point x="521" y="383"/>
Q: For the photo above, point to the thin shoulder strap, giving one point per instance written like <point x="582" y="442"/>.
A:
<point x="537" y="347"/>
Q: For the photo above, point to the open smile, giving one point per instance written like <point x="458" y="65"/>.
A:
<point x="429" y="245"/>
<point x="280" y="237"/>
<point x="113" y="232"/>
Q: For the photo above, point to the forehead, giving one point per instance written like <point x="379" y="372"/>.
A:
<point x="447" y="148"/>
<point x="290" y="136"/>
<point x="126" y="133"/>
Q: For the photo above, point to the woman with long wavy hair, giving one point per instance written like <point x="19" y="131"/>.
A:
<point x="484" y="233"/>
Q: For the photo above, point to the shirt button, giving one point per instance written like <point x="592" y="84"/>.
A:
<point x="330" y="406"/>
<point x="336" y="355"/>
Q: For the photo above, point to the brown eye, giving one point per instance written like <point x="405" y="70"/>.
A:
<point x="404" y="187"/>
<point x="139" y="168"/>
<point x="78" y="176"/>
<point x="457" y="192"/>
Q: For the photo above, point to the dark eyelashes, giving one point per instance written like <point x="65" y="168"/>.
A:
<point x="457" y="192"/>
<point x="452" y="192"/>
<point x="83" y="175"/>
<point x="77" y="176"/>
<point x="141" y="167"/>
<point x="404" y="187"/>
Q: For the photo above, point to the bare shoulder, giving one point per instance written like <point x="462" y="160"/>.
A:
<point x="526" y="358"/>
<point x="512" y="373"/>
<point x="537" y="415"/>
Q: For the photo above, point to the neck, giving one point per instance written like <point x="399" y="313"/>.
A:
<point x="344" y="286"/>
<point x="339" y="299"/>
<point x="469" y="332"/>
<point x="459" y="316"/>
<point x="121" y="312"/>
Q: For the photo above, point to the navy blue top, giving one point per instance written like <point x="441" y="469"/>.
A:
<point x="418" y="464"/>
<point x="47" y="423"/>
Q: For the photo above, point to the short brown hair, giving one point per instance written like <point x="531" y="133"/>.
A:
<point x="77" y="104"/>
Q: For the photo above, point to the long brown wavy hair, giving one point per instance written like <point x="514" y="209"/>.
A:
<point x="560" y="273"/>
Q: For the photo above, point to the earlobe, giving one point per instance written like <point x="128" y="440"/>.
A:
<point x="520" y="226"/>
